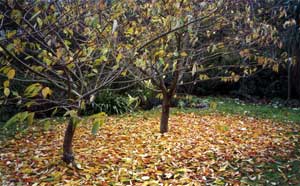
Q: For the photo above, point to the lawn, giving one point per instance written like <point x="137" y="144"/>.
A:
<point x="202" y="148"/>
<point x="275" y="111"/>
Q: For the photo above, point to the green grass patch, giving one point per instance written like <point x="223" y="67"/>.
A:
<point x="238" y="107"/>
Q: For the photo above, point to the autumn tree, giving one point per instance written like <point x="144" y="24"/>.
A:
<point x="64" y="51"/>
<point x="176" y="38"/>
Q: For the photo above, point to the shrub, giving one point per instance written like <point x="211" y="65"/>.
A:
<point x="109" y="103"/>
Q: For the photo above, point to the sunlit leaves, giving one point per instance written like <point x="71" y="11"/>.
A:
<point x="30" y="118"/>
<point x="100" y="60"/>
<point x="6" y="84"/>
<point x="203" y="77"/>
<point x="11" y="74"/>
<point x="6" y="91"/>
<point x="275" y="68"/>
<point x="16" y="15"/>
<point x="159" y="53"/>
<point x="119" y="57"/>
<point x="10" y="34"/>
<point x="235" y="77"/>
<point x="46" y="92"/>
<point x="40" y="22"/>
<point x="183" y="54"/>
<point x="129" y="31"/>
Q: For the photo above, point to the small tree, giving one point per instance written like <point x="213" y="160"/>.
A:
<point x="176" y="38"/>
<point x="66" y="51"/>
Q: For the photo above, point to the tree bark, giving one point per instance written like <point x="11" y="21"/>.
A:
<point x="296" y="75"/>
<point x="164" y="122"/>
<point x="68" y="155"/>
<point x="290" y="66"/>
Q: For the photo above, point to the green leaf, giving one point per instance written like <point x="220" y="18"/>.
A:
<point x="95" y="21"/>
<point x="75" y="120"/>
<point x="99" y="120"/>
<point x="96" y="126"/>
<point x="30" y="118"/>
<point x="47" y="125"/>
<point x="10" y="34"/>
<point x="33" y="90"/>
<point x="54" y="112"/>
<point x="72" y="113"/>
<point x="17" y="118"/>
<point x="49" y="179"/>
<point x="100" y="60"/>
<point x="6" y="84"/>
<point x="213" y="105"/>
<point x="119" y="57"/>
<point x="16" y="15"/>
<point x="40" y="22"/>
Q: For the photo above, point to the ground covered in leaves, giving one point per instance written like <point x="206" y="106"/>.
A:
<point x="210" y="149"/>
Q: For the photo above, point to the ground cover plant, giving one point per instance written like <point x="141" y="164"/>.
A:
<point x="201" y="149"/>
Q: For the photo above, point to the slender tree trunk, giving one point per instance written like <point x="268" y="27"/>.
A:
<point x="68" y="155"/>
<point x="296" y="75"/>
<point x="165" y="114"/>
<point x="290" y="65"/>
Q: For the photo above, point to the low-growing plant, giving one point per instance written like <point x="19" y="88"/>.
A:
<point x="18" y="123"/>
<point x="110" y="103"/>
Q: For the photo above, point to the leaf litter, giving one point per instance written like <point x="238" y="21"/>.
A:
<point x="210" y="149"/>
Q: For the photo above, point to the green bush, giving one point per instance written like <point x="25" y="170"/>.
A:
<point x="147" y="98"/>
<point x="17" y="123"/>
<point x="191" y="102"/>
<point x="109" y="103"/>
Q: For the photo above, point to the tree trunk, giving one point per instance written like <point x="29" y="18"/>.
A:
<point x="296" y="75"/>
<point x="68" y="155"/>
<point x="290" y="66"/>
<point x="165" y="114"/>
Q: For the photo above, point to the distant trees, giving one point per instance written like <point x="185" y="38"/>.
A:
<point x="291" y="36"/>
<point x="285" y="17"/>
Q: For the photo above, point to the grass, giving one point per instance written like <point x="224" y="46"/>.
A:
<point x="238" y="107"/>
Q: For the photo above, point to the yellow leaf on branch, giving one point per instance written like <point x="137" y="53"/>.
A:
<point x="46" y="92"/>
<point x="6" y="92"/>
<point x="11" y="74"/>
